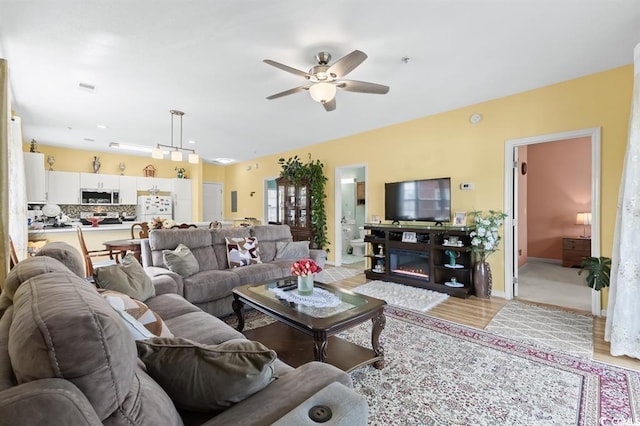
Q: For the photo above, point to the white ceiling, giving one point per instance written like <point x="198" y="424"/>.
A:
<point x="204" y="57"/>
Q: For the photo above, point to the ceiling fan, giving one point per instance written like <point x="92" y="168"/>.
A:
<point x="324" y="79"/>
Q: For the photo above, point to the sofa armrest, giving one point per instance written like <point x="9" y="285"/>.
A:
<point x="165" y="281"/>
<point x="347" y="408"/>
<point x="46" y="401"/>
<point x="282" y="395"/>
<point x="319" y="256"/>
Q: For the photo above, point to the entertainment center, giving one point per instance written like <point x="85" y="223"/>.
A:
<point x="435" y="257"/>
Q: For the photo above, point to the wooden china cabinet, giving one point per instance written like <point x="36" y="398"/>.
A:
<point x="294" y="208"/>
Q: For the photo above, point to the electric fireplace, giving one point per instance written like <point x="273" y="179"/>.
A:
<point x="409" y="263"/>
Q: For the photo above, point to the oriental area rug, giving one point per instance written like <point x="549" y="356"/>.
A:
<point x="440" y="373"/>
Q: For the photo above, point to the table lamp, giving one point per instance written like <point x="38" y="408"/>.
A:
<point x="584" y="219"/>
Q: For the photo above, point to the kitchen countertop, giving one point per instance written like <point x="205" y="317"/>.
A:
<point x="89" y="228"/>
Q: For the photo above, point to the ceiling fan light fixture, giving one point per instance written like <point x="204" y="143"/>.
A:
<point x="323" y="92"/>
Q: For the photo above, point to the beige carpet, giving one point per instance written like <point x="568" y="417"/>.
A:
<point x="545" y="328"/>
<point x="553" y="284"/>
<point x="402" y="296"/>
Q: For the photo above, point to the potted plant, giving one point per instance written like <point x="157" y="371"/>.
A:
<point x="181" y="171"/>
<point x="484" y="241"/>
<point x="313" y="172"/>
<point x="599" y="269"/>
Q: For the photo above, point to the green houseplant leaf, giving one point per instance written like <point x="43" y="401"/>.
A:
<point x="599" y="271"/>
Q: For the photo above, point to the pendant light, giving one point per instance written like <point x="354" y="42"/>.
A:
<point x="176" y="151"/>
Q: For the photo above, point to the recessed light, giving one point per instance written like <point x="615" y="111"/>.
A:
<point x="101" y="126"/>
<point x="192" y="141"/>
<point x="89" y="140"/>
<point x="223" y="160"/>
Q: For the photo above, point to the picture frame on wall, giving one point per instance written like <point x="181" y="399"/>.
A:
<point x="460" y="218"/>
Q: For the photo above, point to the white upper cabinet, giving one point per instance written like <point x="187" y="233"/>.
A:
<point x="128" y="190"/>
<point x="146" y="184"/>
<point x="181" y="188"/>
<point x="98" y="181"/>
<point x="35" y="177"/>
<point x="181" y="195"/>
<point x="63" y="187"/>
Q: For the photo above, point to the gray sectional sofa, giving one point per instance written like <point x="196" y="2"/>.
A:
<point x="210" y="288"/>
<point x="66" y="358"/>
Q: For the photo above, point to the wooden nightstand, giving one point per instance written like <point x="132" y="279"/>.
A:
<point x="574" y="249"/>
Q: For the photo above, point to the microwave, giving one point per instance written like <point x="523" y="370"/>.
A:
<point x="94" y="196"/>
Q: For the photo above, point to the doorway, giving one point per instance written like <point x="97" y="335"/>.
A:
<point x="516" y="219"/>
<point x="350" y="215"/>
<point x="212" y="208"/>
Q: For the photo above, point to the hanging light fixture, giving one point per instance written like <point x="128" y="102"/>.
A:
<point x="323" y="92"/>
<point x="176" y="151"/>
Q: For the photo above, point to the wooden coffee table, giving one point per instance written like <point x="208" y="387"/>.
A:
<point x="302" y="333"/>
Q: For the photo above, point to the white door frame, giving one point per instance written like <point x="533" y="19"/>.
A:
<point x="510" y="223"/>
<point x="265" y="190"/>
<point x="337" y="240"/>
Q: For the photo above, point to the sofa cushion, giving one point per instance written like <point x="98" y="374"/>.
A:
<point x="243" y="251"/>
<point x="141" y="321"/>
<point x="203" y="328"/>
<point x="207" y="377"/>
<point x="210" y="285"/>
<point x="219" y="240"/>
<point x="128" y="277"/>
<point x="292" y="250"/>
<point x="29" y="268"/>
<point x="82" y="340"/>
<point x="66" y="254"/>
<point x="181" y="261"/>
<point x="170" y="305"/>
<point x="198" y="240"/>
<point x="261" y="273"/>
<point x="268" y="235"/>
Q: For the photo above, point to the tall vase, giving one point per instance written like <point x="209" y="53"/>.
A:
<point x="482" y="279"/>
<point x="305" y="285"/>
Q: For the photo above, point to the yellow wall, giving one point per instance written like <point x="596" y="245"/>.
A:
<point x="447" y="144"/>
<point x="444" y="144"/>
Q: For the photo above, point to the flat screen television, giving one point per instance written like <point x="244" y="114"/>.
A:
<point x="427" y="200"/>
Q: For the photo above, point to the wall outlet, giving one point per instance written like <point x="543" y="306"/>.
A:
<point x="466" y="186"/>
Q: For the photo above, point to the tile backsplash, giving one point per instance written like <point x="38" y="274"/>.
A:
<point x="74" y="210"/>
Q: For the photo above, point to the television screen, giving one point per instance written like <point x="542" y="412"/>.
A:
<point x="427" y="200"/>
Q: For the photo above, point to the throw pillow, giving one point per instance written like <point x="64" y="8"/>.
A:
<point x="207" y="378"/>
<point x="128" y="277"/>
<point x="141" y="321"/>
<point x="242" y="251"/>
<point x="292" y="250"/>
<point x="181" y="261"/>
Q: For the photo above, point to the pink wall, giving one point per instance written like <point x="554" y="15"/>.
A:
<point x="559" y="186"/>
<point x="522" y="206"/>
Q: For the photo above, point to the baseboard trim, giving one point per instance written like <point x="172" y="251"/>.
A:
<point x="500" y="294"/>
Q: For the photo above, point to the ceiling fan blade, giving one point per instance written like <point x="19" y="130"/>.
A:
<point x="362" y="87"/>
<point x="287" y="68"/>
<point x="289" y="92"/>
<point x="346" y="64"/>
<point x="330" y="106"/>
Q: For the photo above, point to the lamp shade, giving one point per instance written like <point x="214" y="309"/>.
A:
<point x="194" y="158"/>
<point x="157" y="153"/>
<point x="583" y="218"/>
<point x="322" y="92"/>
<point x="176" y="155"/>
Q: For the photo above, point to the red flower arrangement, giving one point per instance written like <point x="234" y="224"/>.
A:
<point x="304" y="267"/>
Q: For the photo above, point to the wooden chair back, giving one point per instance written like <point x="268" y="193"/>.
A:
<point x="184" y="226"/>
<point x="13" y="257"/>
<point x="142" y="233"/>
<point x="87" y="255"/>
<point x="215" y="225"/>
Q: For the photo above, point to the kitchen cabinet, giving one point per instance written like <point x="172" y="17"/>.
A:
<point x="63" y="187"/>
<point x="149" y="184"/>
<point x="128" y="190"/>
<point x="181" y="196"/>
<point x="97" y="181"/>
<point x="34" y="172"/>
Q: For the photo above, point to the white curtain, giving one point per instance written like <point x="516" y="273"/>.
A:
<point x="623" y="322"/>
<point x="17" y="190"/>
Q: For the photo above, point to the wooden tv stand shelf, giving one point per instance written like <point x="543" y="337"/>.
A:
<point x="417" y="255"/>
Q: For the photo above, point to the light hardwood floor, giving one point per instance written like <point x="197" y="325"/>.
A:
<point x="477" y="313"/>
